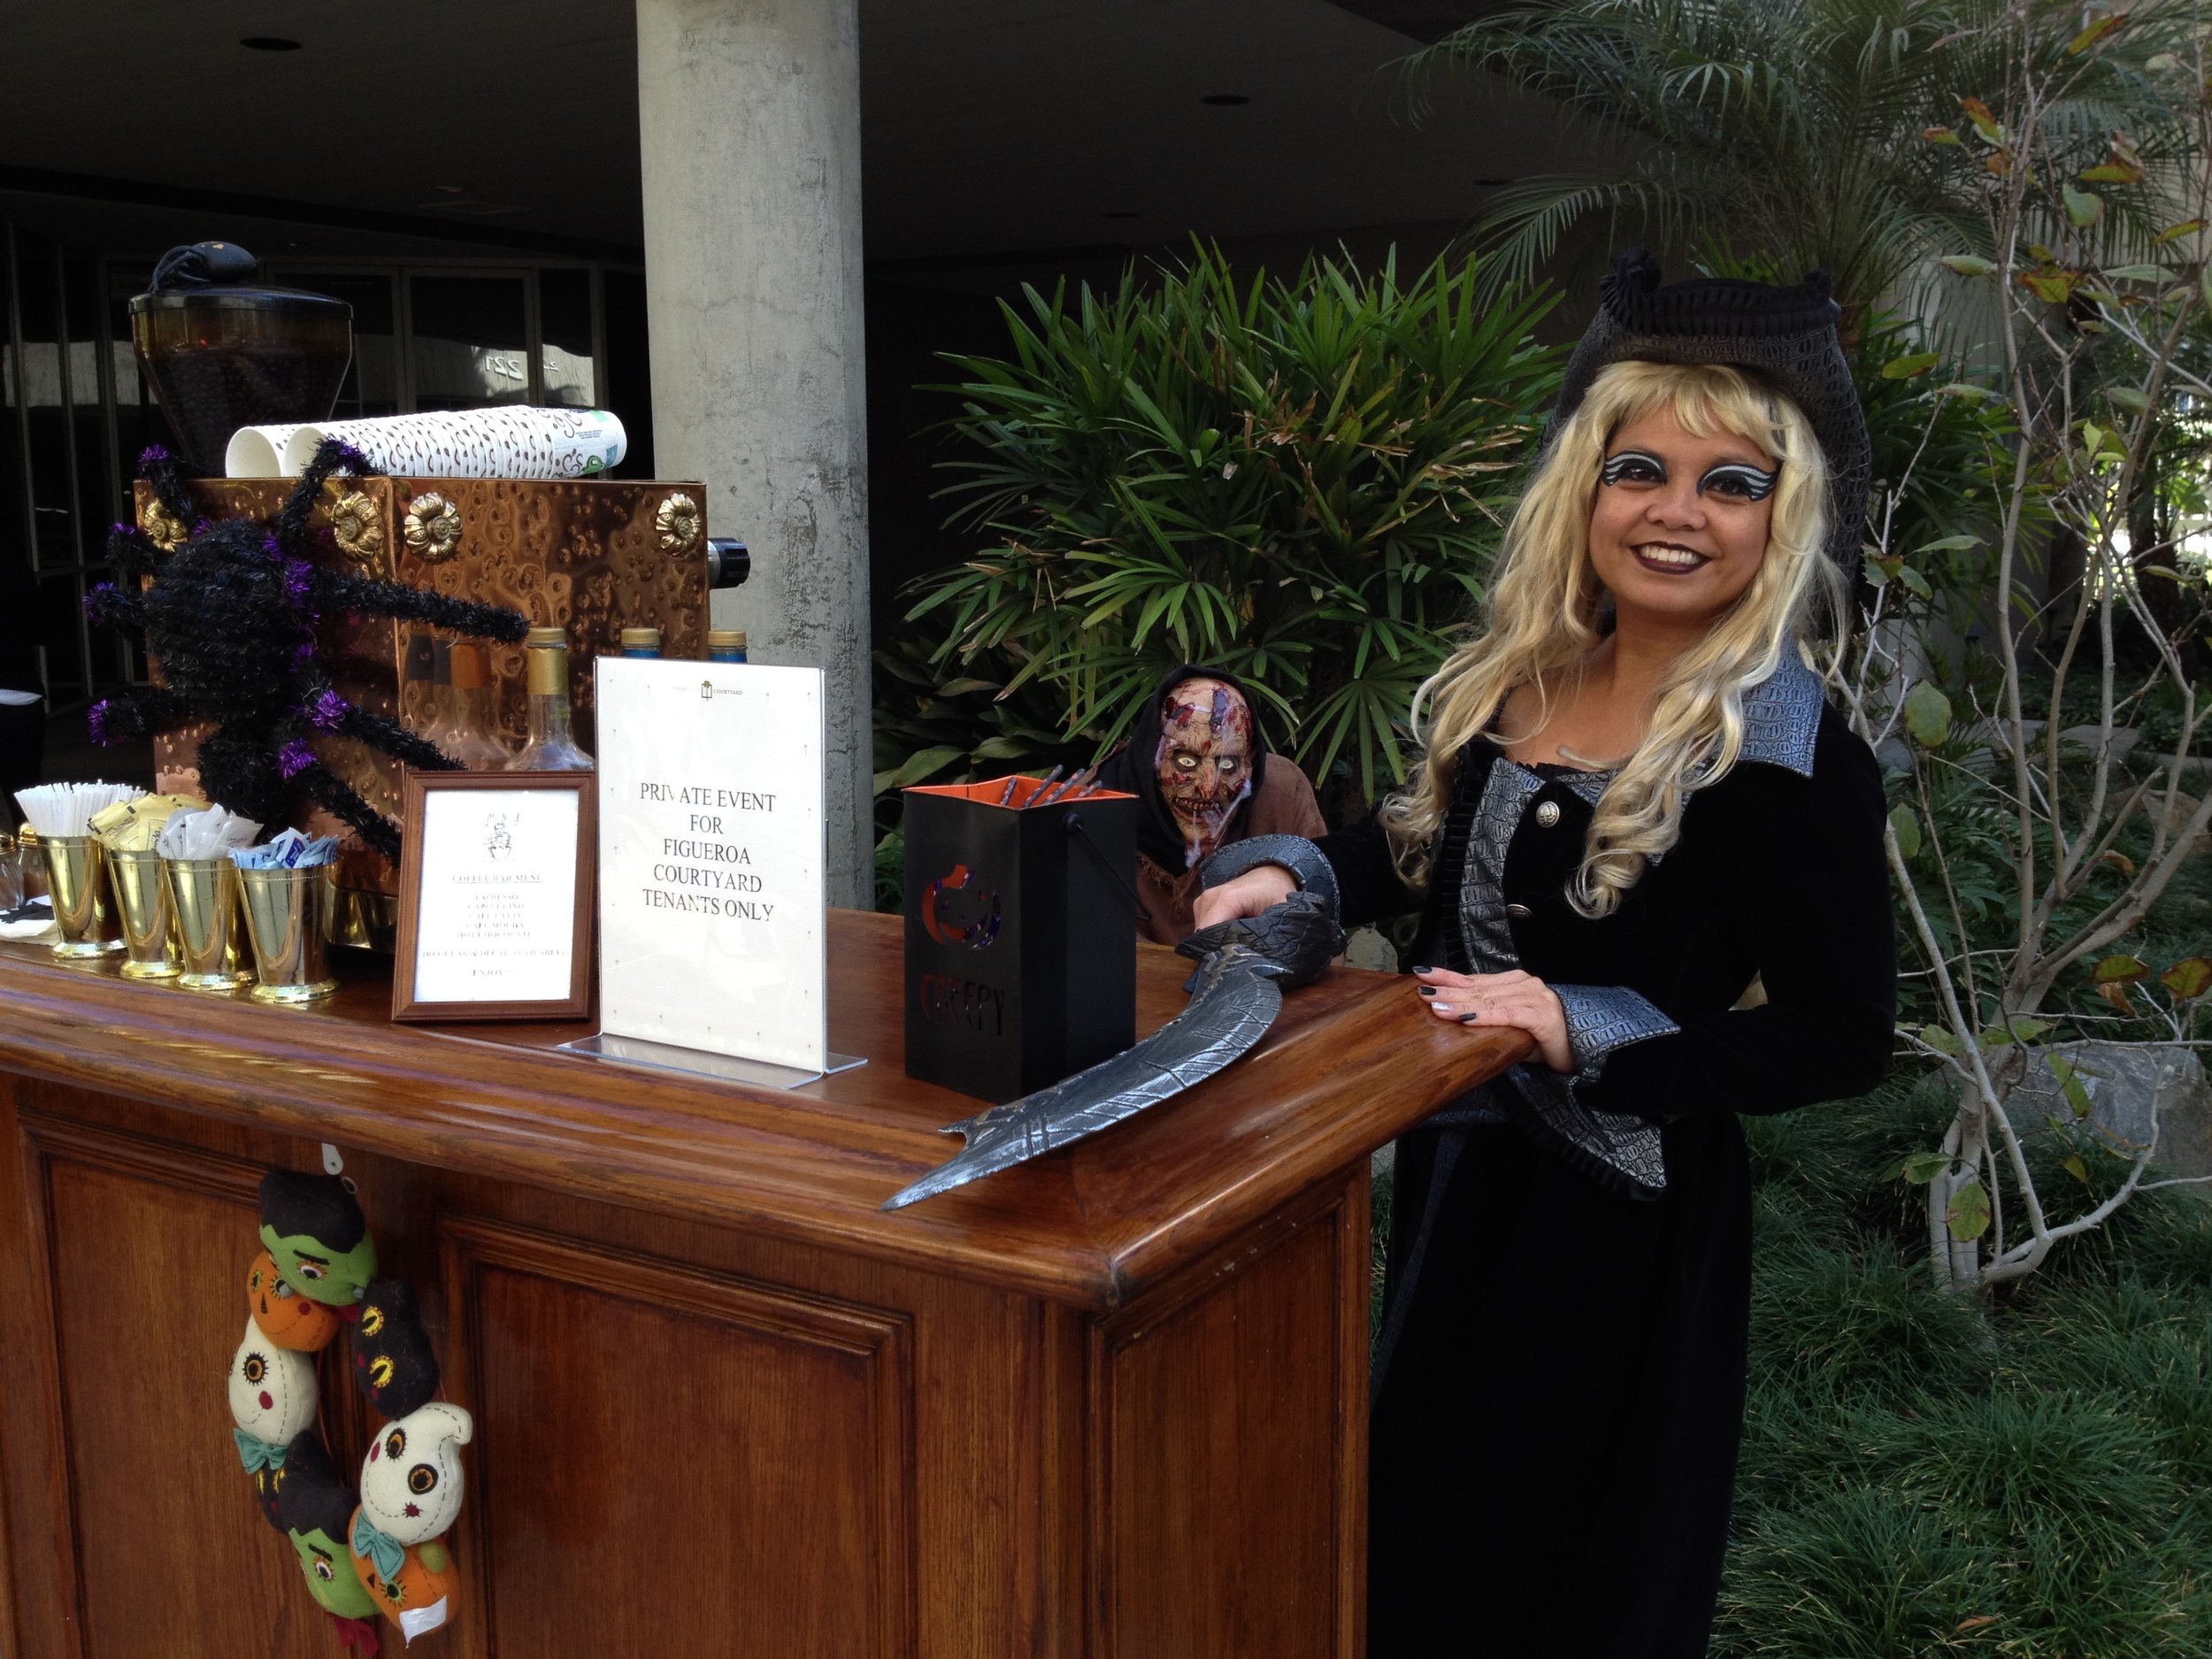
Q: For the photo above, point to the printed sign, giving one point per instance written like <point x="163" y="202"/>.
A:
<point x="711" y="853"/>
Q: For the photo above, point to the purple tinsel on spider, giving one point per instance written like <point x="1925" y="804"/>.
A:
<point x="299" y="576"/>
<point x="294" y="759"/>
<point x="97" y="596"/>
<point x="124" y="527"/>
<point x="272" y="547"/>
<point x="303" y="654"/>
<point x="95" y="720"/>
<point x="152" y="455"/>
<point x="352" y="459"/>
<point x="327" y="710"/>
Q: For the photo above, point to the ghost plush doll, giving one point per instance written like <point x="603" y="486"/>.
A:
<point x="410" y="1481"/>
<point x="286" y="1318"/>
<point x="317" y="1236"/>
<point x="271" y="1398"/>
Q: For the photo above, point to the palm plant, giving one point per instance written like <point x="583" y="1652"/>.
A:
<point x="1798" y="128"/>
<point x="1302" y="480"/>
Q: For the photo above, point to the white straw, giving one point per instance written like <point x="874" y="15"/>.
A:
<point x="66" y="808"/>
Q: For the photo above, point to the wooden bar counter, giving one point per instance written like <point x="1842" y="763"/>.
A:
<point x="1111" y="1403"/>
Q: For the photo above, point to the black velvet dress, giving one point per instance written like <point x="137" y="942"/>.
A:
<point x="1560" y="1381"/>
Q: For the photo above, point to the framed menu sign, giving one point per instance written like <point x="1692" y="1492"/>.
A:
<point x="495" y="896"/>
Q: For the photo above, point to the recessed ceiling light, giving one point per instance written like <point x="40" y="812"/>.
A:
<point x="456" y="189"/>
<point x="1225" y="100"/>
<point x="269" y="44"/>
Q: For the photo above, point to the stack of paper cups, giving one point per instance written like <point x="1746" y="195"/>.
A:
<point x="513" y="441"/>
<point x="257" y="452"/>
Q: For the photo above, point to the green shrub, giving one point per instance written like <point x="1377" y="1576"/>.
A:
<point x="1300" y="479"/>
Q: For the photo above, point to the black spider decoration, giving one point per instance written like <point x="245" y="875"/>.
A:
<point x="232" y="616"/>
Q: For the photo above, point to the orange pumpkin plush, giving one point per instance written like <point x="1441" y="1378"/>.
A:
<point x="418" y="1595"/>
<point x="282" y="1315"/>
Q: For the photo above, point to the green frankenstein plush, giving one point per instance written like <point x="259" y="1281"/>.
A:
<point x="314" y="1506"/>
<point x="318" y="1236"/>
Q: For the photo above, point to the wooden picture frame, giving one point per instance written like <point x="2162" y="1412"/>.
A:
<point x="501" y="928"/>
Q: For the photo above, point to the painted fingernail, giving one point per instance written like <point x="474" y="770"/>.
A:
<point x="1469" y="1019"/>
<point x="1418" y="968"/>
<point x="1442" y="1008"/>
<point x="1428" y="990"/>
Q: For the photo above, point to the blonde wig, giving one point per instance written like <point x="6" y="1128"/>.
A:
<point x="1545" y="617"/>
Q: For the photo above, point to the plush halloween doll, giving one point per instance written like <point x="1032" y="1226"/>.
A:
<point x="306" y="1460"/>
<point x="272" y="1399"/>
<point x="392" y="1359"/>
<point x="417" y="1594"/>
<point x="317" y="1236"/>
<point x="314" y="1508"/>
<point x="285" y="1316"/>
<point x="410" y="1481"/>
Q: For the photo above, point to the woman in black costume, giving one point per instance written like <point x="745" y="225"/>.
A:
<point x="1642" y="835"/>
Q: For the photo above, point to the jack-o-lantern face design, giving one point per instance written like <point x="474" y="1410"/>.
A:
<point x="410" y="1481"/>
<point x="419" y="1597"/>
<point x="285" y="1316"/>
<point x="272" y="1389"/>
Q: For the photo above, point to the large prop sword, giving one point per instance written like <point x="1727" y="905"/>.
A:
<point x="1244" y="967"/>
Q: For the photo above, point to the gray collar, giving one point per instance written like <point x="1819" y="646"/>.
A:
<point x="1781" y="717"/>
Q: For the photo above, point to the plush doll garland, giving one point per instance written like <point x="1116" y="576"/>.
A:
<point x="376" y="1545"/>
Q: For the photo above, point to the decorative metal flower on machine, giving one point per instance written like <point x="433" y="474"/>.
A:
<point x="233" y="616"/>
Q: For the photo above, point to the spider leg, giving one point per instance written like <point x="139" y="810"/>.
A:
<point x="109" y="604"/>
<point x="395" y="739"/>
<point x="376" y="830"/>
<point x="238" y="769"/>
<point x="365" y="596"/>
<point x="133" y="555"/>
<point x="165" y="474"/>
<point x="139" y="712"/>
<point x="333" y="455"/>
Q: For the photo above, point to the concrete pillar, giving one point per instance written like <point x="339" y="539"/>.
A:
<point x="748" y="124"/>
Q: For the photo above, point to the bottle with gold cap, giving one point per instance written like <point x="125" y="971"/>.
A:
<point x="726" y="645"/>
<point x="640" y="642"/>
<point x="472" y="736"/>
<point x="551" y="747"/>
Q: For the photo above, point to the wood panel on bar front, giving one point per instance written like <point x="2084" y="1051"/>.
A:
<point x="1109" y="1404"/>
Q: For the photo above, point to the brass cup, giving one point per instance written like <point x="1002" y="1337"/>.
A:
<point x="89" y="926"/>
<point x="288" y="917"/>
<point x="150" y="932"/>
<point x="205" y="894"/>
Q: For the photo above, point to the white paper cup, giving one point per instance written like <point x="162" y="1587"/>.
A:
<point x="259" y="452"/>
<point x="515" y="441"/>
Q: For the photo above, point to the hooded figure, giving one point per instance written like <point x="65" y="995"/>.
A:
<point x="1197" y="759"/>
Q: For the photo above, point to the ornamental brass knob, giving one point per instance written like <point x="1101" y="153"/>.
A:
<point x="433" y="528"/>
<point x="357" y="528"/>
<point x="163" y="527"/>
<point x="678" y="522"/>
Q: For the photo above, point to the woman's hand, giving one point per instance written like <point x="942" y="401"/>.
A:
<point x="1259" y="890"/>
<point x="1517" y="1000"/>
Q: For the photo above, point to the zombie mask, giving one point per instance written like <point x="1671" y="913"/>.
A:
<point x="271" y="1394"/>
<point x="285" y="1316"/>
<point x="410" y="1481"/>
<point x="316" y="1234"/>
<point x="1205" y="760"/>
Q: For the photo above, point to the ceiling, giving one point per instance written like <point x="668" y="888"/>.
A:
<point x="990" y="127"/>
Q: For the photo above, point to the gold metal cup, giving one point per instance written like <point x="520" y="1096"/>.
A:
<point x="90" y="928"/>
<point x="150" y="932"/>
<point x="289" y="917"/>
<point x="205" y="894"/>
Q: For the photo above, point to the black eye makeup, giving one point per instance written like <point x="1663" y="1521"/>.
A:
<point x="1632" y="466"/>
<point x="1739" y="480"/>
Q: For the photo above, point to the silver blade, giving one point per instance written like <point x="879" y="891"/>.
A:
<point x="1235" y="1000"/>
